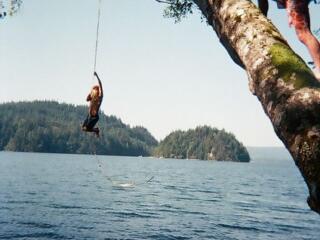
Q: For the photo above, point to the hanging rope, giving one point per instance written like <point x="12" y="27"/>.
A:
<point x="97" y="37"/>
<point x="117" y="183"/>
<point x="102" y="169"/>
<point x="114" y="183"/>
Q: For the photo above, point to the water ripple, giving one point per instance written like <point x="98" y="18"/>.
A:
<point x="37" y="224"/>
<point x="249" y="228"/>
<point x="162" y="236"/>
<point x="61" y="206"/>
<point x="36" y="235"/>
<point x="134" y="215"/>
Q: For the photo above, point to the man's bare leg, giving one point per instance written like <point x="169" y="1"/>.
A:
<point x="313" y="46"/>
<point x="96" y="131"/>
<point x="264" y="6"/>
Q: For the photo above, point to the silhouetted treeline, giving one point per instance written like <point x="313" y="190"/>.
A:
<point x="203" y="143"/>
<point x="48" y="126"/>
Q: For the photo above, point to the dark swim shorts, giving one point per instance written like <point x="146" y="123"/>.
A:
<point x="90" y="122"/>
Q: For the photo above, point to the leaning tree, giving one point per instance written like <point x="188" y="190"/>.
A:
<point x="283" y="83"/>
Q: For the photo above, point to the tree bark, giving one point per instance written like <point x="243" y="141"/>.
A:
<point x="283" y="83"/>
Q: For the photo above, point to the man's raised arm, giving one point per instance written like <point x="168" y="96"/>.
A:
<point x="100" y="84"/>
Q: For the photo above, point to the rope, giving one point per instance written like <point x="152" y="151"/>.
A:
<point x="97" y="38"/>
<point x="120" y="184"/>
<point x="101" y="168"/>
<point x="94" y="70"/>
<point x="100" y="163"/>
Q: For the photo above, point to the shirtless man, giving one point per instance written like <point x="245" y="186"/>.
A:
<point x="95" y="97"/>
<point x="299" y="17"/>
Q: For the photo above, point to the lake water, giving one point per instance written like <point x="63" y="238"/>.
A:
<point x="57" y="196"/>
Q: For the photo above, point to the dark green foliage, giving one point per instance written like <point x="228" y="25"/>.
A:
<point x="203" y="143"/>
<point x="47" y="126"/>
<point x="9" y="7"/>
<point x="177" y="9"/>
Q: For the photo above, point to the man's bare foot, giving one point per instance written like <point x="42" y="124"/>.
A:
<point x="316" y="73"/>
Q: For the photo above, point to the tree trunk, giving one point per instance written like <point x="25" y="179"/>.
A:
<point x="283" y="83"/>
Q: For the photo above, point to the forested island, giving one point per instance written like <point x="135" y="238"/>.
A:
<point x="202" y="143"/>
<point x="49" y="126"/>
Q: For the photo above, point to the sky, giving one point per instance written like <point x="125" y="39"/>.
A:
<point x="155" y="73"/>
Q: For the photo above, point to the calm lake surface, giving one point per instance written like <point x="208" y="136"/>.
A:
<point x="58" y="196"/>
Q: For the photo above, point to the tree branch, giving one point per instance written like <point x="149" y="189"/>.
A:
<point x="161" y="1"/>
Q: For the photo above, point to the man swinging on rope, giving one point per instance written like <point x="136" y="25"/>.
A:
<point x="298" y="14"/>
<point x="95" y="97"/>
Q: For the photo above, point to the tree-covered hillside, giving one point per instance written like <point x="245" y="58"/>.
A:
<point x="203" y="143"/>
<point x="48" y="126"/>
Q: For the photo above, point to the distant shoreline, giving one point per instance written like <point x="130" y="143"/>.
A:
<point x="255" y="153"/>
